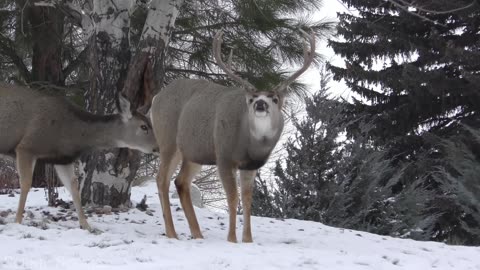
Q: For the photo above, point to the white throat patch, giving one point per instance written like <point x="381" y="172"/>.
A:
<point x="262" y="126"/>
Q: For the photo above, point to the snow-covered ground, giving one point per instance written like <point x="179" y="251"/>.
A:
<point x="135" y="240"/>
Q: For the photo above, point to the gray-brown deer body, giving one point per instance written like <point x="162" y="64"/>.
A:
<point x="223" y="137"/>
<point x="35" y="126"/>
<point x="203" y="123"/>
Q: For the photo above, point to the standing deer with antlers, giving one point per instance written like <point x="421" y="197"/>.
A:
<point x="203" y="123"/>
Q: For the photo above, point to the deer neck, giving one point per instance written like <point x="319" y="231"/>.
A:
<point x="105" y="132"/>
<point x="263" y="133"/>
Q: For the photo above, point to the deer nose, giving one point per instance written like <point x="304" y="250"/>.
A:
<point x="261" y="105"/>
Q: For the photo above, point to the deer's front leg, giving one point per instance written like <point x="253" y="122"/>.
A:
<point x="227" y="174"/>
<point x="247" y="179"/>
<point x="168" y="163"/>
<point x="25" y="166"/>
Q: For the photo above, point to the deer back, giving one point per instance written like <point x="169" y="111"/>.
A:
<point x="51" y="128"/>
<point x="45" y="125"/>
<point x="187" y="113"/>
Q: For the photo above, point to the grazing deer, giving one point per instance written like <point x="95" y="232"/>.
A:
<point x="35" y="126"/>
<point x="202" y="123"/>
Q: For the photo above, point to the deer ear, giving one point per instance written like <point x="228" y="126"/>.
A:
<point x="124" y="108"/>
<point x="281" y="97"/>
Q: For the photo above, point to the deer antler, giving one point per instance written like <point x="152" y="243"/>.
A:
<point x="307" y="60"/>
<point x="217" y="46"/>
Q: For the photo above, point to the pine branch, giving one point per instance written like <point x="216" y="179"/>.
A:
<point x="438" y="12"/>
<point x="405" y="8"/>
<point x="7" y="48"/>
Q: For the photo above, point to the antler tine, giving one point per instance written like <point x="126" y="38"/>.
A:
<point x="217" y="53"/>
<point x="307" y="60"/>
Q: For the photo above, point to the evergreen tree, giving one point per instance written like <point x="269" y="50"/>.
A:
<point x="414" y="68"/>
<point x="414" y="74"/>
<point x="305" y="180"/>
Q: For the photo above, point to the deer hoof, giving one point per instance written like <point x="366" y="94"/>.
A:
<point x="197" y="236"/>
<point x="247" y="240"/>
<point x="172" y="235"/>
<point x="232" y="239"/>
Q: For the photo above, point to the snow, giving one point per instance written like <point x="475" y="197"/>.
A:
<point x="135" y="240"/>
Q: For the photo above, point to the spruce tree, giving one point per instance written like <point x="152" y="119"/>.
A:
<point x="413" y="71"/>
<point x="304" y="181"/>
<point x="413" y="67"/>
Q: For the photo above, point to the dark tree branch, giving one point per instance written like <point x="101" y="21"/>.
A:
<point x="73" y="13"/>
<point x="82" y="56"/>
<point x="404" y="5"/>
<point x="438" y="12"/>
<point x="7" y="48"/>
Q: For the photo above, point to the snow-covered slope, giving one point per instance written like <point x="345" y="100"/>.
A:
<point x="134" y="240"/>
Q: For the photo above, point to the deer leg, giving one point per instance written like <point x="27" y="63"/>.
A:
<point x="168" y="163"/>
<point x="25" y="166"/>
<point x="183" y="184"/>
<point x="227" y="175"/>
<point x="247" y="182"/>
<point x="67" y="176"/>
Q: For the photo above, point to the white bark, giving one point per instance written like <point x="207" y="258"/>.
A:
<point x="110" y="40"/>
<point x="111" y="17"/>
<point x="160" y="21"/>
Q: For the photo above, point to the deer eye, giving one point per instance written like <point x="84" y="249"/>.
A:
<point x="250" y="100"/>
<point x="275" y="100"/>
<point x="144" y="128"/>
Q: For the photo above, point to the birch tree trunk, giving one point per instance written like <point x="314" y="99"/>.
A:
<point x="103" y="181"/>
<point x="147" y="71"/>
<point x="108" y="175"/>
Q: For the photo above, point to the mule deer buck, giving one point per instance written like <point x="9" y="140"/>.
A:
<point x="35" y="126"/>
<point x="203" y="123"/>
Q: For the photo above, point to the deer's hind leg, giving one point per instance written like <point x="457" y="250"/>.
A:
<point x="183" y="185"/>
<point x="25" y="165"/>
<point x="66" y="174"/>
<point x="168" y="162"/>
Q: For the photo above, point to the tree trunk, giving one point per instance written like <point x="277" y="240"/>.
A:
<point x="147" y="71"/>
<point x="108" y="175"/>
<point x="46" y="27"/>
<point x="105" y="180"/>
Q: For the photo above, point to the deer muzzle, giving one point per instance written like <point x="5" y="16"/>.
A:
<point x="260" y="106"/>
